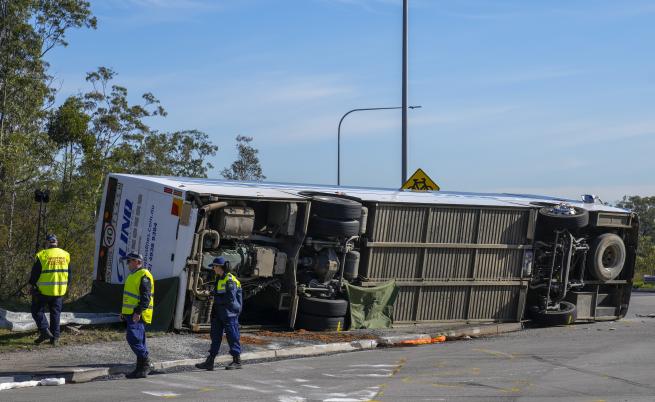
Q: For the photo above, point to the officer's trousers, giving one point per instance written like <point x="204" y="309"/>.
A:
<point x="54" y="304"/>
<point x="229" y="326"/>
<point x="136" y="337"/>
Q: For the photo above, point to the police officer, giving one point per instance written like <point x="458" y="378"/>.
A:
<point x="228" y="300"/>
<point x="49" y="282"/>
<point x="138" y="302"/>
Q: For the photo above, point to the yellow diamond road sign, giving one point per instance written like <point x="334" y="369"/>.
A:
<point x="420" y="181"/>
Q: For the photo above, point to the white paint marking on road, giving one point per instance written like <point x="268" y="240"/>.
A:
<point x="361" y="369"/>
<point x="357" y="375"/>
<point x="171" y="384"/>
<point x="358" y="396"/>
<point x="197" y="380"/>
<point x="163" y="394"/>
<point x="246" y="388"/>
<point x="373" y="365"/>
<point x="291" y="398"/>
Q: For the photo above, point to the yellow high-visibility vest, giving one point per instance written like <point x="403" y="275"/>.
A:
<point x="53" y="280"/>
<point x="220" y="284"/>
<point x="131" y="294"/>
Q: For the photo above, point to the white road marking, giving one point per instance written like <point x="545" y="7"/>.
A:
<point x="373" y="365"/>
<point x="171" y="384"/>
<point x="290" y="398"/>
<point x="246" y="388"/>
<point x="357" y="375"/>
<point x="163" y="394"/>
<point x="373" y="369"/>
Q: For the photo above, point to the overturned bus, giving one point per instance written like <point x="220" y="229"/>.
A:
<point x="454" y="256"/>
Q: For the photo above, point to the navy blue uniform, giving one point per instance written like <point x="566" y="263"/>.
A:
<point x="225" y="316"/>
<point x="136" y="331"/>
<point x="41" y="302"/>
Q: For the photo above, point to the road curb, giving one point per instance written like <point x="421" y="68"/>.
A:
<point x="81" y="375"/>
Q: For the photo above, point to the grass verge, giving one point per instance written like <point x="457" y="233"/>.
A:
<point x="24" y="341"/>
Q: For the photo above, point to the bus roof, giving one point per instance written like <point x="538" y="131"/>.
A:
<point x="290" y="191"/>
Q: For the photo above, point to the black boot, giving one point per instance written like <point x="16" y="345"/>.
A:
<point x="137" y="370"/>
<point x="45" y="335"/>
<point x="207" y="364"/>
<point x="236" y="363"/>
<point x="145" y="368"/>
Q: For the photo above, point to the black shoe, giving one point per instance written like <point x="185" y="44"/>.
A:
<point x="54" y="342"/>
<point x="145" y="369"/>
<point x="236" y="363"/>
<point x="136" y="373"/>
<point x="45" y="335"/>
<point x="207" y="364"/>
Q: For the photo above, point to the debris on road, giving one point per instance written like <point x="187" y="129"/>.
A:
<point x="27" y="384"/>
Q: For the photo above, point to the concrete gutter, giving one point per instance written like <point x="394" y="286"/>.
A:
<point x="80" y="375"/>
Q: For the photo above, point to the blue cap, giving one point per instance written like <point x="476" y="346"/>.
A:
<point x="218" y="261"/>
<point x="133" y="256"/>
<point x="51" y="238"/>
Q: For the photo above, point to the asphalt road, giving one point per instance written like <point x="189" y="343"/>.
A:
<point x="611" y="361"/>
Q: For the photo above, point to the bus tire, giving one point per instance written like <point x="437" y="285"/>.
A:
<point x="566" y="314"/>
<point x="336" y="208"/>
<point x="606" y="257"/>
<point x="323" y="307"/>
<point x="551" y="221"/>
<point x="318" y="323"/>
<point x="324" y="227"/>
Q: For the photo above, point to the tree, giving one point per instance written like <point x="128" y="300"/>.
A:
<point x="29" y="29"/>
<point x="182" y="153"/>
<point x="644" y="207"/>
<point x="247" y="167"/>
<point x="68" y="128"/>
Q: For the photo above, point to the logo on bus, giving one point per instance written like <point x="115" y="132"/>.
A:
<point x="109" y="236"/>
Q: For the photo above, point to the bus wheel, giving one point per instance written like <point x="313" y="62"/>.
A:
<point x="606" y="257"/>
<point x="320" y="227"/>
<point x="564" y="315"/>
<point x="336" y="208"/>
<point x="323" y="307"/>
<point x="562" y="216"/>
<point x="317" y="323"/>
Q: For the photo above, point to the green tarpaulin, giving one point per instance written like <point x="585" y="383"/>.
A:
<point x="372" y="307"/>
<point x="107" y="298"/>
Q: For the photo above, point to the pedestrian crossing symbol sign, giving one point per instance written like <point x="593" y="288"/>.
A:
<point x="420" y="181"/>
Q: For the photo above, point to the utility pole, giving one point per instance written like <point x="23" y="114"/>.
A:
<point x="404" y="101"/>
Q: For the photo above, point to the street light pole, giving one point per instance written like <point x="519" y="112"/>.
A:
<point x="404" y="94"/>
<point x="339" y="133"/>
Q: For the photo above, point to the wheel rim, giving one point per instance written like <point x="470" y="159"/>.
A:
<point x="563" y="210"/>
<point x="610" y="256"/>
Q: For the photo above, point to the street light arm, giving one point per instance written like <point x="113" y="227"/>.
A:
<point x="339" y="132"/>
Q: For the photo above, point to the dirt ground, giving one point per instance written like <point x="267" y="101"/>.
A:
<point x="325" y="337"/>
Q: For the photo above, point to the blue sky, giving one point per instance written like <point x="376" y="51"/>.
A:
<point x="552" y="97"/>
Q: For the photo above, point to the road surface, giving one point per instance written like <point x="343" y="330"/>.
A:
<point x="610" y="361"/>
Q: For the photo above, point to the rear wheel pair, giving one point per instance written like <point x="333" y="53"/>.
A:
<point x="317" y="314"/>
<point x="334" y="217"/>
<point x="565" y="314"/>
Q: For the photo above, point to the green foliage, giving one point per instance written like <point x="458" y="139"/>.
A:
<point x="71" y="149"/>
<point x="644" y="207"/>
<point x="28" y="30"/>
<point x="247" y="167"/>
